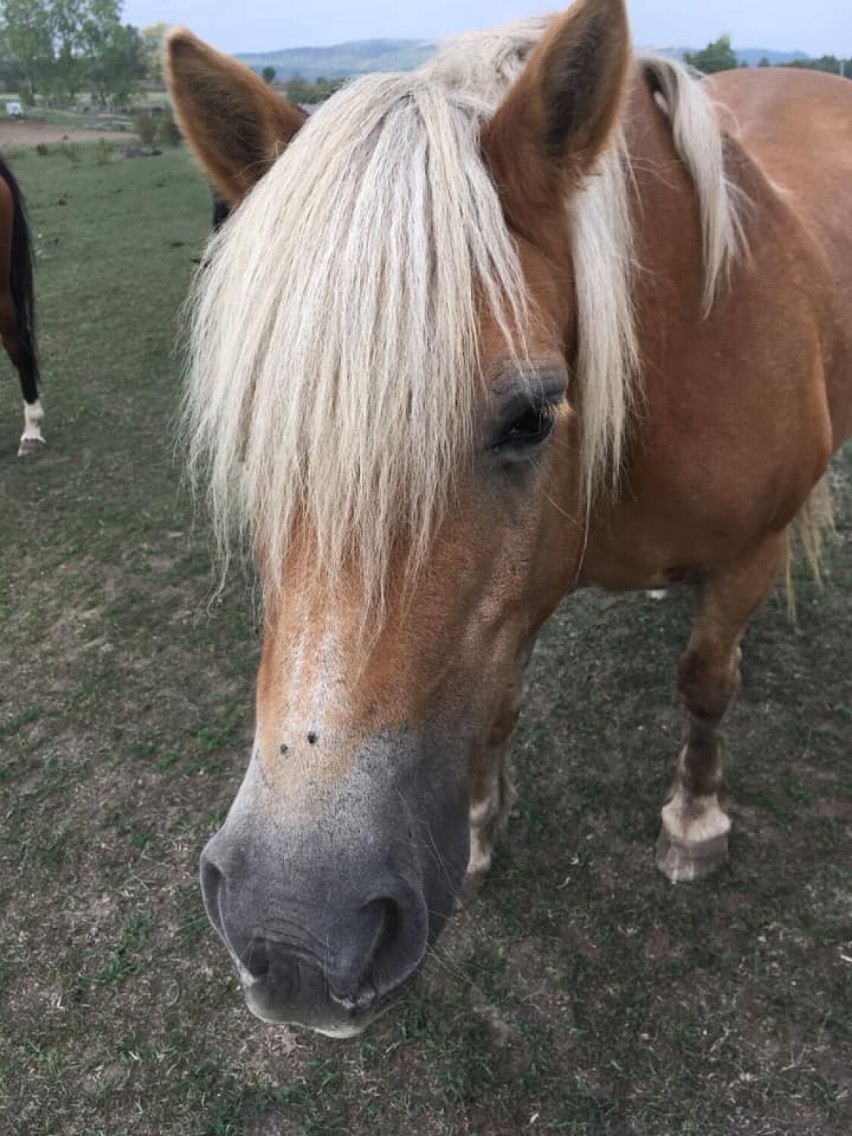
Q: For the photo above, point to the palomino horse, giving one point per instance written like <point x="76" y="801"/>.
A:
<point x="17" y="308"/>
<point x="535" y="317"/>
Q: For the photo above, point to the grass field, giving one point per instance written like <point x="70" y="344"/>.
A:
<point x="579" y="993"/>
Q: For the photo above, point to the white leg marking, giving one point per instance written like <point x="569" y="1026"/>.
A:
<point x="32" y="437"/>
<point x="481" y="837"/>
<point x="486" y="818"/>
<point x="694" y="820"/>
<point x="694" y="837"/>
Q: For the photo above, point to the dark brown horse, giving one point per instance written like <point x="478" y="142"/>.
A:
<point x="17" y="306"/>
<point x="539" y="316"/>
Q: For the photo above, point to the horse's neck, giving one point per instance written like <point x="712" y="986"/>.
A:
<point x="666" y="214"/>
<point x="703" y="443"/>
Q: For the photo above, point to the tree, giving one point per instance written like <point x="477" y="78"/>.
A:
<point x="65" y="46"/>
<point x="298" y="91"/>
<point x="112" y="54"/>
<point x="268" y="75"/>
<point x="115" y="61"/>
<point x="27" y="38"/>
<point x="11" y="75"/>
<point x="716" y="56"/>
<point x="152" y="44"/>
<point x="67" y="76"/>
<point x="829" y="63"/>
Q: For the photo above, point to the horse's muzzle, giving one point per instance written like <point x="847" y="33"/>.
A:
<point x="331" y="960"/>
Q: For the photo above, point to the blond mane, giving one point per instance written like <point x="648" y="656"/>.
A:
<point x="333" y="378"/>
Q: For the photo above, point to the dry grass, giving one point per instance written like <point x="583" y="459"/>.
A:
<point x="580" y="993"/>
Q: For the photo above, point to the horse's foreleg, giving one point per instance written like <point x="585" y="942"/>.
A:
<point x="22" y="354"/>
<point x="32" y="439"/>
<point x="694" y="837"/>
<point x="492" y="792"/>
<point x="491" y="799"/>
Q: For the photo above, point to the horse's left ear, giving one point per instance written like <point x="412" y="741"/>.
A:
<point x="235" y="125"/>
<point x="549" y="131"/>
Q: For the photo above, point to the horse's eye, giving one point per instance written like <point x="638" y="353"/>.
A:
<point x="527" y="429"/>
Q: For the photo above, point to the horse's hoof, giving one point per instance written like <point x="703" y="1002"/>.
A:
<point x="477" y="870"/>
<point x="472" y="883"/>
<point x="683" y="862"/>
<point x="31" y="447"/>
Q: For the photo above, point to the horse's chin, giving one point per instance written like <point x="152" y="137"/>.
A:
<point x="325" y="1024"/>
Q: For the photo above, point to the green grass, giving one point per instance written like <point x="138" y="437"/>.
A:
<point x="580" y="993"/>
<point x="133" y="937"/>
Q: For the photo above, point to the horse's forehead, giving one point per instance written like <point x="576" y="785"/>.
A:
<point x="548" y="284"/>
<point x="324" y="663"/>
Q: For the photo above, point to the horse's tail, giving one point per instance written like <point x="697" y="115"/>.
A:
<point x="21" y="287"/>
<point x="807" y="533"/>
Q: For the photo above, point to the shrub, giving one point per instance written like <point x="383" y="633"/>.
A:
<point x="168" y="131"/>
<point x="145" y="127"/>
<point x="70" y="151"/>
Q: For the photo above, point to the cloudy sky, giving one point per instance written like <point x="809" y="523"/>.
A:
<point x="814" y="26"/>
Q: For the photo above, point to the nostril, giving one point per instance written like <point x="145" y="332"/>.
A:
<point x="387" y="916"/>
<point x="211" y="877"/>
<point x="256" y="958"/>
<point x="373" y="958"/>
<point x="211" y="888"/>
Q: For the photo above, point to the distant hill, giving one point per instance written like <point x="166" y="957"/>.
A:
<point x="750" y="55"/>
<point x="753" y="55"/>
<point x="365" y="55"/>
<point x="344" y="59"/>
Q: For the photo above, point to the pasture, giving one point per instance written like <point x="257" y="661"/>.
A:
<point x="578" y="993"/>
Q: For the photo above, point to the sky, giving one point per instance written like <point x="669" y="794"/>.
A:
<point x="815" y="26"/>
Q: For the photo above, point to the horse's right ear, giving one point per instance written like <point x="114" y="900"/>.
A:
<point x="555" y="121"/>
<point x="234" y="124"/>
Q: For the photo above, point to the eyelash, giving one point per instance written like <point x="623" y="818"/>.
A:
<point x="530" y="428"/>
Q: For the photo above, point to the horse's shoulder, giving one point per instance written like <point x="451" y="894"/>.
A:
<point x="7" y="201"/>
<point x="7" y="218"/>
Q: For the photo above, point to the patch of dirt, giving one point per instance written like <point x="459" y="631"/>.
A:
<point x="28" y="132"/>
<point x="579" y="992"/>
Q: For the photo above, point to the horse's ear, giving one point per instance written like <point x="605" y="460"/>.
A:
<point x="557" y="117"/>
<point x="234" y="124"/>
